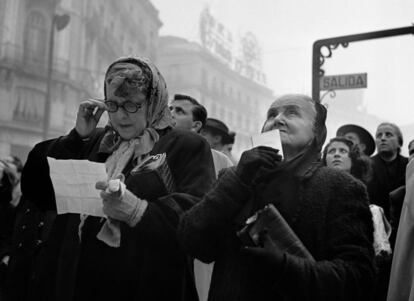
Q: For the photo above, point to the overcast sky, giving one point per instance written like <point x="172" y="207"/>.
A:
<point x="287" y="29"/>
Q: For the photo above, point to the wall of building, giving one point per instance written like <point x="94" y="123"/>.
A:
<point x="238" y="101"/>
<point x="99" y="31"/>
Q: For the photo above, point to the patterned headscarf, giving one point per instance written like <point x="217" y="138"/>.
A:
<point x="146" y="79"/>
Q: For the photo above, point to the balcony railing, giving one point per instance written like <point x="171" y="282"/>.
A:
<point x="31" y="61"/>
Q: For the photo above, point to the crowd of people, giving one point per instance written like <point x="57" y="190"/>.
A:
<point x="197" y="226"/>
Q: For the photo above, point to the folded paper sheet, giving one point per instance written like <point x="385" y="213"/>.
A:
<point x="74" y="185"/>
<point x="270" y="139"/>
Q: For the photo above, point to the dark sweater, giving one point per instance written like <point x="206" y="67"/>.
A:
<point x="332" y="219"/>
<point x="386" y="176"/>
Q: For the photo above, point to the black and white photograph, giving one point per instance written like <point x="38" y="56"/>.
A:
<point x="206" y="150"/>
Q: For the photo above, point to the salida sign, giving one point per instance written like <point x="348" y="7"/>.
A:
<point x="343" y="81"/>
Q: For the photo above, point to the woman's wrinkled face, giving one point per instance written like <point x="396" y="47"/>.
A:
<point x="295" y="118"/>
<point x="128" y="125"/>
<point x="337" y="156"/>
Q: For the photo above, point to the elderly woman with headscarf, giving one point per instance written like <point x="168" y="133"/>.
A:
<point x="134" y="253"/>
<point x="326" y="209"/>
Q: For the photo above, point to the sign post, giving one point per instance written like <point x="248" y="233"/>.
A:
<point x="343" y="81"/>
<point x="318" y="58"/>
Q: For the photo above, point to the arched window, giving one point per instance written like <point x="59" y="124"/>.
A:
<point x="36" y="39"/>
<point x="3" y="26"/>
<point x="29" y="106"/>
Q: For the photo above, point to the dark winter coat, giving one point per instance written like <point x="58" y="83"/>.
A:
<point x="7" y="216"/>
<point x="7" y="211"/>
<point x="386" y="177"/>
<point x="149" y="264"/>
<point x="331" y="217"/>
<point x="383" y="182"/>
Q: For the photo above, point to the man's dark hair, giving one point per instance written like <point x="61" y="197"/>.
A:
<point x="199" y="111"/>
<point x="217" y="127"/>
<point x="229" y="139"/>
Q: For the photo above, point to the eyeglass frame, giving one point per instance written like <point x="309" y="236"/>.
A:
<point x="137" y="106"/>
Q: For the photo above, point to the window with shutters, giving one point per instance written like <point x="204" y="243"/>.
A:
<point x="36" y="41"/>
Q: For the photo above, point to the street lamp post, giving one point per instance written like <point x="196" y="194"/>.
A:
<point x="59" y="22"/>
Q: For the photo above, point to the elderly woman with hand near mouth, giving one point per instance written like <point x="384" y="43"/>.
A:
<point x="326" y="209"/>
<point x="134" y="253"/>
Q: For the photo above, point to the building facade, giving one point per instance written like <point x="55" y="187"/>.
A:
<point x="227" y="95"/>
<point x="347" y="107"/>
<point x="97" y="32"/>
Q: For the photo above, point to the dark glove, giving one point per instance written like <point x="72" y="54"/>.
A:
<point x="267" y="251"/>
<point x="3" y="272"/>
<point x="267" y="258"/>
<point x="383" y="259"/>
<point x="252" y="160"/>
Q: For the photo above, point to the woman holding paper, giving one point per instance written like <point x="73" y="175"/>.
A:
<point x="327" y="211"/>
<point x="155" y="174"/>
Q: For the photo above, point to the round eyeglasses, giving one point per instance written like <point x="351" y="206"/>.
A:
<point x="128" y="106"/>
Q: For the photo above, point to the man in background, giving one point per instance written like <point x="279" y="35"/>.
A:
<point x="189" y="114"/>
<point x="388" y="167"/>
<point x="216" y="133"/>
<point x="359" y="136"/>
<point x="228" y="146"/>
